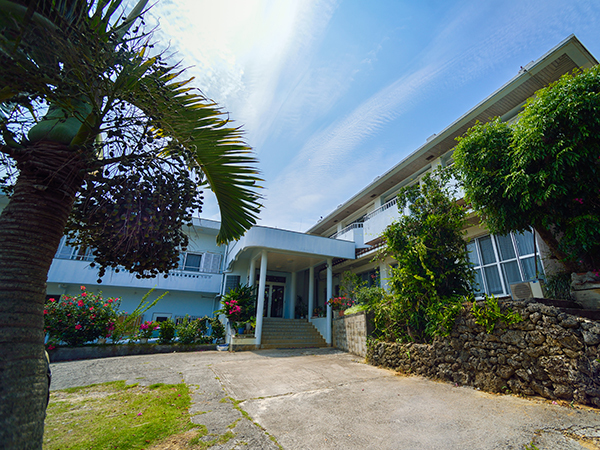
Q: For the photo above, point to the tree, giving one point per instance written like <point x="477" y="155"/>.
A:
<point x="106" y="137"/>
<point x="542" y="171"/>
<point x="433" y="275"/>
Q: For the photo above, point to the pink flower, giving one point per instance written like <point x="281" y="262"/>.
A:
<point x="78" y="327"/>
<point x="52" y="300"/>
<point x="579" y="200"/>
<point x="51" y="347"/>
<point x="45" y="311"/>
<point x="91" y="308"/>
<point x="83" y="288"/>
<point x="83" y="294"/>
<point x="105" y="305"/>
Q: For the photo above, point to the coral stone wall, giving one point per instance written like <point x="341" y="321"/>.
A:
<point x="350" y="333"/>
<point x="550" y="354"/>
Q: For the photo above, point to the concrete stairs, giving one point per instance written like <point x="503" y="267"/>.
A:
<point x="290" y="333"/>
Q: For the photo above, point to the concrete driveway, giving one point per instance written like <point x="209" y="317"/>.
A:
<point x="327" y="399"/>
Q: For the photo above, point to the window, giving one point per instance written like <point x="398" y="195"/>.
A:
<point x="500" y="261"/>
<point x="231" y="282"/>
<point x="200" y="262"/>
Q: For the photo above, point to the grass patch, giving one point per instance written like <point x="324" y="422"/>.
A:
<point x="117" y="416"/>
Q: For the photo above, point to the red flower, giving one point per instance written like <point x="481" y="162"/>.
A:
<point x="78" y="327"/>
<point x="83" y="294"/>
<point x="45" y="311"/>
<point x="80" y="303"/>
<point x="83" y="288"/>
<point x="52" y="300"/>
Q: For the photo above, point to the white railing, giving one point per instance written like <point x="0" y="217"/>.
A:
<point x="382" y="208"/>
<point x="352" y="226"/>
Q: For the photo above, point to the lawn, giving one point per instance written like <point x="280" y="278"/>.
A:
<point x="119" y="416"/>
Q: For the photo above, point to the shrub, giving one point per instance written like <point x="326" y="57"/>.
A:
<point x="190" y="330"/>
<point x="126" y="326"/>
<point x="80" y="319"/>
<point x="433" y="276"/>
<point x="166" y="332"/>
<point x="217" y="330"/>
<point x="239" y="305"/>
<point x="147" y="328"/>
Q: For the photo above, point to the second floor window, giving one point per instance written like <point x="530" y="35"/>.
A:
<point x="200" y="262"/>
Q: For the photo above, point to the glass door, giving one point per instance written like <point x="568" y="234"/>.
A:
<point x="274" y="299"/>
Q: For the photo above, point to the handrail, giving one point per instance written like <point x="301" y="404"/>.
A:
<point x="348" y="228"/>
<point x="382" y="208"/>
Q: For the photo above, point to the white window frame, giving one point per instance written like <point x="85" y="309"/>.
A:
<point x="499" y="263"/>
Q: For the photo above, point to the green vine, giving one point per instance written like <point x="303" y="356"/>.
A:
<point x="488" y="314"/>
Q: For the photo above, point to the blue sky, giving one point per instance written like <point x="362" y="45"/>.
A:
<point x="332" y="94"/>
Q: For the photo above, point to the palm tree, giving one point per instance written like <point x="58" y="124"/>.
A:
<point x="107" y="139"/>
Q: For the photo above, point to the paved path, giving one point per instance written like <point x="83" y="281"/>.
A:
<point x="326" y="399"/>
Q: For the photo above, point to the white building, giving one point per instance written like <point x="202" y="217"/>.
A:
<point x="295" y="273"/>
<point x="192" y="288"/>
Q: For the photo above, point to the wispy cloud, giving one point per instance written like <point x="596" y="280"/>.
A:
<point x="337" y="162"/>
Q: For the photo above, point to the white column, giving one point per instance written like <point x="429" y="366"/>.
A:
<point x="311" y="291"/>
<point x="262" y="282"/>
<point x="252" y="272"/>
<point x="293" y="299"/>
<point x="329" y="295"/>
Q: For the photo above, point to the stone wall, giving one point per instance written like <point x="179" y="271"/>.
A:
<point x="550" y="353"/>
<point x="350" y="332"/>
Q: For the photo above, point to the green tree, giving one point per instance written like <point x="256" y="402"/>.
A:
<point x="95" y="127"/>
<point x="543" y="170"/>
<point x="433" y="275"/>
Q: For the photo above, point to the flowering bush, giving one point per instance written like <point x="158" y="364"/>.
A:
<point x="80" y="319"/>
<point x="147" y="328"/>
<point x="239" y="305"/>
<point x="340" y="303"/>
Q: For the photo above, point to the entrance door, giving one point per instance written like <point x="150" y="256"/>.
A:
<point x="274" y="295"/>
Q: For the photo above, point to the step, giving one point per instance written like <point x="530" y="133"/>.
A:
<point x="320" y="345"/>
<point x="289" y="333"/>
<point x="291" y="341"/>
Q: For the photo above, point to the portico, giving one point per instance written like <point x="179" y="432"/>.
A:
<point x="283" y="265"/>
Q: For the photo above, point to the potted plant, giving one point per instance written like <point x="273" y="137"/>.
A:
<point x="340" y="304"/>
<point x="239" y="306"/>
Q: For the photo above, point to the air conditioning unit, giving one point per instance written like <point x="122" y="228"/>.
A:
<point x="527" y="289"/>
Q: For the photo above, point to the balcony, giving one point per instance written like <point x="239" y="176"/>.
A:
<point x="353" y="233"/>
<point x="70" y="271"/>
<point x="377" y="221"/>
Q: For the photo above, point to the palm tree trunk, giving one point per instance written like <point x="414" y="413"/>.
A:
<point x="31" y="227"/>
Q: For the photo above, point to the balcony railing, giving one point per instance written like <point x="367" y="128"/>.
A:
<point x="352" y="226"/>
<point x="382" y="208"/>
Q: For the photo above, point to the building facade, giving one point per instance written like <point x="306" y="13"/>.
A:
<point x="295" y="273"/>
